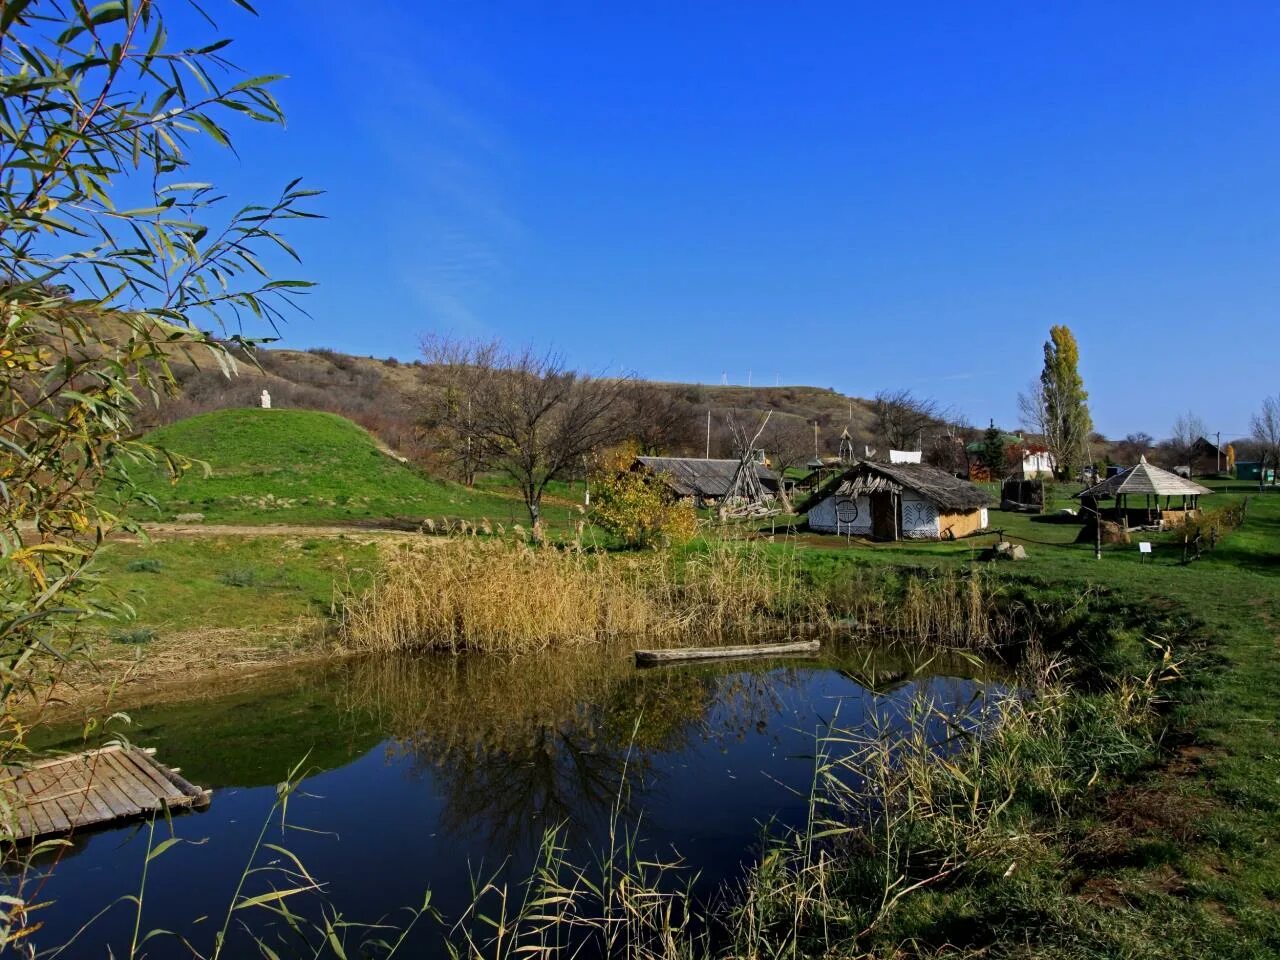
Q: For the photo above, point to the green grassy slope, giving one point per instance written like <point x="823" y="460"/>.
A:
<point x="301" y="466"/>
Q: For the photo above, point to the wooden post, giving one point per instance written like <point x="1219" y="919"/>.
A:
<point x="1097" y="530"/>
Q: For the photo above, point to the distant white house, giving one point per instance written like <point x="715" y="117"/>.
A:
<point x="1024" y="459"/>
<point x="1037" y="462"/>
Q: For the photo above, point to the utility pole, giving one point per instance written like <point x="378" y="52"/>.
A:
<point x="1218" y="451"/>
<point x="708" y="433"/>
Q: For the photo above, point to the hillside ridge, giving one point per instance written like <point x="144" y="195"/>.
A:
<point x="379" y="395"/>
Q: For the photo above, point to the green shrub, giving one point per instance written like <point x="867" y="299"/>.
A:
<point x="240" y="577"/>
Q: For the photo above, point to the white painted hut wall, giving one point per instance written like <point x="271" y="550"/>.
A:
<point x="825" y="518"/>
<point x="919" y="518"/>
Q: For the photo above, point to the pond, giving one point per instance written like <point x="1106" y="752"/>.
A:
<point x="427" y="772"/>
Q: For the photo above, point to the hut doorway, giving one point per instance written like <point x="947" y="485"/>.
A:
<point x="884" y="516"/>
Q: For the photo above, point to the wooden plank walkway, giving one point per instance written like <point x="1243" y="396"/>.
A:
<point x="60" y="796"/>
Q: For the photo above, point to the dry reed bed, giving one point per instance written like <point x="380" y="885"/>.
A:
<point x="501" y="596"/>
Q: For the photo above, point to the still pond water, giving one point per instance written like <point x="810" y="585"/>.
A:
<point x="426" y="772"/>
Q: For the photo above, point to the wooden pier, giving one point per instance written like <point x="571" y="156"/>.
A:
<point x="797" y="648"/>
<point x="60" y="796"/>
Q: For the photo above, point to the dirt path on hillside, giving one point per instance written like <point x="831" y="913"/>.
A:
<point x="268" y="530"/>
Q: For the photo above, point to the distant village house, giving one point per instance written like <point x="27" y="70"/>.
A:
<point x="1205" y="458"/>
<point x="1024" y="459"/>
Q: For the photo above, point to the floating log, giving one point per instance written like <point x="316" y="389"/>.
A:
<point x="792" y="649"/>
<point x="65" y="794"/>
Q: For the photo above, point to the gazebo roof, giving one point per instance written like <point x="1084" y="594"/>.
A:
<point x="1144" y="478"/>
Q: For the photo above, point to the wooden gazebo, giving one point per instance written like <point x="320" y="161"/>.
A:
<point x="1151" y="483"/>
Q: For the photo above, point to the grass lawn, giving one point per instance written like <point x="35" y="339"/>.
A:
<point x="307" y="467"/>
<point x="212" y="605"/>
<point x="1184" y="861"/>
<point x="248" y="583"/>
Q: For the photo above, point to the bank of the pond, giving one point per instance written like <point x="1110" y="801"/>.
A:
<point x="424" y="771"/>
<point x="227" y="606"/>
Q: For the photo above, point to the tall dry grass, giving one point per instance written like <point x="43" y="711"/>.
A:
<point x="961" y="609"/>
<point x="495" y="596"/>
<point x="499" y="596"/>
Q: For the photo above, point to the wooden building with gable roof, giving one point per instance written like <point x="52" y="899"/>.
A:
<point x="897" y="501"/>
<point x="704" y="481"/>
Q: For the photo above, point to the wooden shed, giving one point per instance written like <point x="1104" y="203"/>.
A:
<point x="704" y="481"/>
<point x="898" y="501"/>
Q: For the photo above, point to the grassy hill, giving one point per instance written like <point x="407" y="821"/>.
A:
<point x="302" y="466"/>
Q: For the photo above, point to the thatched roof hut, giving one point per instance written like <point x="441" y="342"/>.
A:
<point x="699" y="478"/>
<point x="890" y="501"/>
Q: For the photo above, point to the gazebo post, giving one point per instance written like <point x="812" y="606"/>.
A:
<point x="1097" y="529"/>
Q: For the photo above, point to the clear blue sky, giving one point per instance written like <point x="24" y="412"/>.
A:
<point x="848" y="195"/>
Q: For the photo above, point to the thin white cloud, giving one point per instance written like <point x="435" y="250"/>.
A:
<point x="448" y="161"/>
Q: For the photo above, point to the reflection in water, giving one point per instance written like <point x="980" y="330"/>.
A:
<point x="519" y="745"/>
<point x="428" y="766"/>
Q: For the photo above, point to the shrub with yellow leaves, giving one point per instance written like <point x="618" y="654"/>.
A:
<point x="637" y="507"/>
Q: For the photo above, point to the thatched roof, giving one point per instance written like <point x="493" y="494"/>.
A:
<point x="699" y="477"/>
<point x="1145" y="478"/>
<point x="936" y="486"/>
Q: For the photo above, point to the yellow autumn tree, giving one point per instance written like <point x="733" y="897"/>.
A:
<point x="637" y="507"/>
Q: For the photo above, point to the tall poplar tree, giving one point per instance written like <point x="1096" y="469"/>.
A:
<point x="1057" y="405"/>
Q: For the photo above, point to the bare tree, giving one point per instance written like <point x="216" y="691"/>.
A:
<point x="1180" y="447"/>
<point x="1065" y="437"/>
<point x="1134" y="446"/>
<point x="1266" y="432"/>
<point x="519" y="411"/>
<point x="788" y="441"/>
<point x="946" y="450"/>
<point x="661" y="420"/>
<point x="901" y="419"/>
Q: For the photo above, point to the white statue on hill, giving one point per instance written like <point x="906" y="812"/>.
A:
<point x="266" y="400"/>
